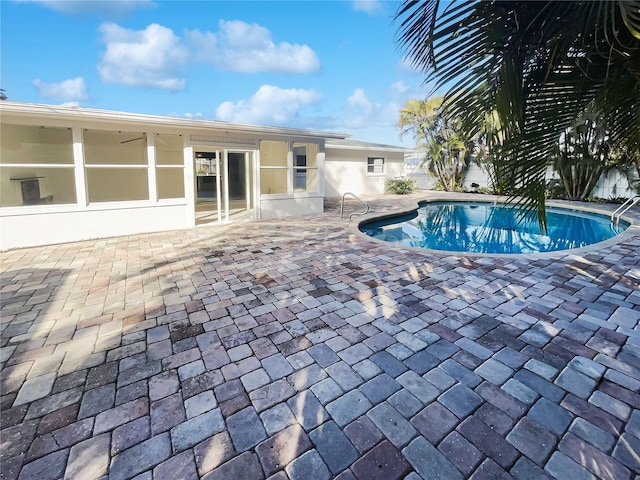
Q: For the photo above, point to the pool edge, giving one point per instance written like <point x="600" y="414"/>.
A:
<point x="631" y="231"/>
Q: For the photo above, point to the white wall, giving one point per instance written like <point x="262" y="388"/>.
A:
<point x="475" y="175"/>
<point x="425" y="181"/>
<point x="610" y="185"/>
<point x="346" y="171"/>
<point x="284" y="207"/>
<point x="27" y="230"/>
<point x="613" y="184"/>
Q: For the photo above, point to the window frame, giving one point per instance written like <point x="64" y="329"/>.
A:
<point x="371" y="166"/>
<point x="291" y="169"/>
<point x="146" y="166"/>
<point x="306" y="169"/>
<point x="167" y="167"/>
<point x="70" y="166"/>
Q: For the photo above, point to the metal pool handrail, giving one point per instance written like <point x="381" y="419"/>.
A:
<point x="622" y="209"/>
<point x="355" y="213"/>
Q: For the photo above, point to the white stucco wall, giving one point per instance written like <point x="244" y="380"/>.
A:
<point x="284" y="207"/>
<point x="346" y="171"/>
<point x="32" y="228"/>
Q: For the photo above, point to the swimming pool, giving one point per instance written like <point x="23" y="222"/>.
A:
<point x="482" y="227"/>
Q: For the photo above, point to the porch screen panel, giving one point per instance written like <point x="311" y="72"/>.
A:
<point x="274" y="169"/>
<point x="117" y="184"/>
<point x="170" y="182"/>
<point x="169" y="166"/>
<point x="36" y="165"/>
<point x="116" y="166"/>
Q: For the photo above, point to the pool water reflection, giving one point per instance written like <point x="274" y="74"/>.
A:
<point x="491" y="228"/>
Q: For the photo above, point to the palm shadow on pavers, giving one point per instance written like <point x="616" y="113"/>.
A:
<point x="345" y="359"/>
<point x="36" y="337"/>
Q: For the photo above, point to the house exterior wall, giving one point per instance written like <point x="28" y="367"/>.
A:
<point x="284" y="207"/>
<point x="346" y="171"/>
<point x="101" y="174"/>
<point x="44" y="228"/>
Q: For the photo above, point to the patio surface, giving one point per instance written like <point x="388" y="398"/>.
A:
<point x="297" y="349"/>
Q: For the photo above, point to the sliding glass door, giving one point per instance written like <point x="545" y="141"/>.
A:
<point x="223" y="185"/>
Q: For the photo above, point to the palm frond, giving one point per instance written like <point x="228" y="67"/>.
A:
<point x="539" y="65"/>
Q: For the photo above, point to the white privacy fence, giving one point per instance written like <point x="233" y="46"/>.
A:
<point x="612" y="184"/>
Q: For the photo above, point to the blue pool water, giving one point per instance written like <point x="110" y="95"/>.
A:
<point x="491" y="228"/>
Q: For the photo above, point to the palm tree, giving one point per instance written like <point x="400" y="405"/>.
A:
<point x="538" y="65"/>
<point x="446" y="147"/>
<point x="584" y="153"/>
<point x="489" y="157"/>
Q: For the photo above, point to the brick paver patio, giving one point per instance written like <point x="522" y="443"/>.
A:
<point x="298" y="349"/>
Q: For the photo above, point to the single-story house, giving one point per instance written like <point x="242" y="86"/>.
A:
<point x="69" y="173"/>
<point x="360" y="167"/>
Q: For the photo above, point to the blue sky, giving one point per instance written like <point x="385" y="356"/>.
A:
<point x="327" y="65"/>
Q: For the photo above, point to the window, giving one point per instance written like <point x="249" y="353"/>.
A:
<point x="274" y="169"/>
<point x="169" y="166"/>
<point x="278" y="175"/>
<point x="116" y="166"/>
<point x="36" y="166"/>
<point x="305" y="167"/>
<point x="206" y="163"/>
<point x="375" y="165"/>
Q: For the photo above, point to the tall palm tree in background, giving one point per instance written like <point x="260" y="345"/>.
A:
<point x="584" y="153"/>
<point x="447" y="149"/>
<point x="538" y="65"/>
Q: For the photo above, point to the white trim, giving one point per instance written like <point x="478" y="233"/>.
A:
<point x="189" y="183"/>
<point x="225" y="167"/>
<point x="257" y="196"/>
<point x="79" y="173"/>
<point x="290" y="172"/>
<point x="37" y="165"/>
<point x="247" y="180"/>
<point x="368" y="148"/>
<point x="116" y="165"/>
<point x="73" y="207"/>
<point x="151" y="161"/>
<point x="321" y="156"/>
<point x="218" y="188"/>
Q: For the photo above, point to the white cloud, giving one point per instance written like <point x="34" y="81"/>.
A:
<point x="361" y="102"/>
<point x="369" y="6"/>
<point x="154" y="57"/>
<point x="371" y="120"/>
<point x="362" y="113"/>
<point x="269" y="105"/>
<point x="407" y="65"/>
<point x="399" y="88"/>
<point x="242" y="47"/>
<point x="71" y="91"/>
<point x="142" y="58"/>
<point x="102" y="8"/>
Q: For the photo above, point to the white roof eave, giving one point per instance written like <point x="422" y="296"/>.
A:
<point x="76" y="114"/>
<point x="368" y="148"/>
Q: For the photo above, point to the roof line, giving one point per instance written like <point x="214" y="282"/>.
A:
<point x="61" y="111"/>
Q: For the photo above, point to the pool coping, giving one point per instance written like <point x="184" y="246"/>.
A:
<point x="601" y="209"/>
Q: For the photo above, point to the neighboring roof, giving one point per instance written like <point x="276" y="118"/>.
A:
<point x="348" y="144"/>
<point x="110" y="116"/>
